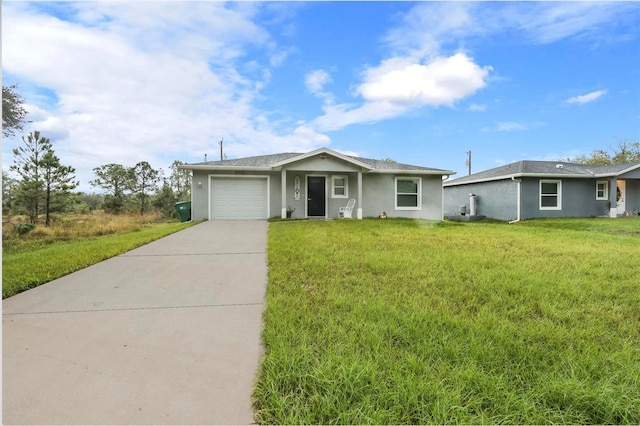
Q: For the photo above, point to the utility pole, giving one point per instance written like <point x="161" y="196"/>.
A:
<point x="221" y="155"/>
<point x="468" y="163"/>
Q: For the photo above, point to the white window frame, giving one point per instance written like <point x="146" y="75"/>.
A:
<point x="418" y="194"/>
<point x="334" y="186"/>
<point x="605" y="190"/>
<point x="558" y="194"/>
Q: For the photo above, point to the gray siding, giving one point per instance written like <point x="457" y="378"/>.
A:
<point x="494" y="199"/>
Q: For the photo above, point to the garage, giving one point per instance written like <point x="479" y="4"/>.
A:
<point x="239" y="198"/>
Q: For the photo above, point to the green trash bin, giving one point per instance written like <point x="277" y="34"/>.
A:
<point x="184" y="210"/>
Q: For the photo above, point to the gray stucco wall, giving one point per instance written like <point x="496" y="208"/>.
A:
<point x="378" y="191"/>
<point x="632" y="180"/>
<point x="632" y="204"/>
<point x="315" y="166"/>
<point x="379" y="196"/>
<point x="494" y="199"/>
<point x="578" y="199"/>
<point x="200" y="195"/>
<point x="333" y="204"/>
<point x="497" y="199"/>
<point x="199" y="208"/>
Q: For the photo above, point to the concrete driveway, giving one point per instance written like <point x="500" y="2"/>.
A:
<point x="168" y="333"/>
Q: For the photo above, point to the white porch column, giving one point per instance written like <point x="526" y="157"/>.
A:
<point x="283" y="192"/>
<point x="359" y="210"/>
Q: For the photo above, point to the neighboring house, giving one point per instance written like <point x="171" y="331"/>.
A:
<point x="539" y="189"/>
<point x="313" y="185"/>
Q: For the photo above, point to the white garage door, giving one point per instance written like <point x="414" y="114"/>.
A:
<point x="239" y="198"/>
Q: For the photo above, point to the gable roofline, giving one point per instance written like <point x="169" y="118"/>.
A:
<point x="631" y="168"/>
<point x="320" y="152"/>
<point x="520" y="169"/>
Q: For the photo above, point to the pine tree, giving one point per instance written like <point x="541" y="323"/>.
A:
<point x="28" y="165"/>
<point x="58" y="181"/>
<point x="43" y="178"/>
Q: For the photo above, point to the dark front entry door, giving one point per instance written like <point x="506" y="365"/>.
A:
<point x="316" y="196"/>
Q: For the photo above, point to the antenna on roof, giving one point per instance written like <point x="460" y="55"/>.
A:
<point x="468" y="162"/>
<point x="205" y="158"/>
<point x="221" y="154"/>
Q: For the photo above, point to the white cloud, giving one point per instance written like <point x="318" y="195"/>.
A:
<point x="439" y="82"/>
<point x="427" y="26"/>
<point x="133" y="81"/>
<point x="509" y="126"/>
<point x="316" y="80"/>
<point x="589" y="97"/>
<point x="342" y="115"/>
<point x="399" y="85"/>
<point x="512" y="126"/>
<point x="416" y="73"/>
<point x="477" y="108"/>
<point x="548" y="22"/>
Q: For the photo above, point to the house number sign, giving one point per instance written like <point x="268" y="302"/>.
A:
<point x="296" y="185"/>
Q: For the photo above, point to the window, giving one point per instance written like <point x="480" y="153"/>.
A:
<point x="339" y="188"/>
<point x="602" y="190"/>
<point x="408" y="192"/>
<point x="550" y="195"/>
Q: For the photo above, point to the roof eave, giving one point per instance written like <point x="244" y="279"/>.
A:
<point x="522" y="175"/>
<point x="413" y="172"/>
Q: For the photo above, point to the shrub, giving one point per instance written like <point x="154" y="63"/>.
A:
<point x="25" y="228"/>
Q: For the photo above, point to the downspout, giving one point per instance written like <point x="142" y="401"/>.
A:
<point x="359" y="210"/>
<point x="519" y="182"/>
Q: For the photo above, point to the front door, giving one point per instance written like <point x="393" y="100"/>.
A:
<point x="316" y="196"/>
<point x="620" y="196"/>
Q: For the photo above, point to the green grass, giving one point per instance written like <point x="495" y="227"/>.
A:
<point x="27" y="263"/>
<point x="409" y="322"/>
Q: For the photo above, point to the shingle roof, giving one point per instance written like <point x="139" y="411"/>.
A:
<point x="257" y="161"/>
<point x="265" y="161"/>
<point x="543" y="168"/>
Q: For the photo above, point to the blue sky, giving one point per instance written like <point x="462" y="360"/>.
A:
<point x="419" y="82"/>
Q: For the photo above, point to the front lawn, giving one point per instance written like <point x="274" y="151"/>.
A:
<point x="413" y="322"/>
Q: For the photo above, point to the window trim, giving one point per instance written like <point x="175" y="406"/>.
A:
<point x="334" y="186"/>
<point x="558" y="194"/>
<point x="605" y="190"/>
<point x="418" y="193"/>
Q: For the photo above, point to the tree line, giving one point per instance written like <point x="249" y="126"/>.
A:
<point x="41" y="185"/>
<point x="622" y="152"/>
